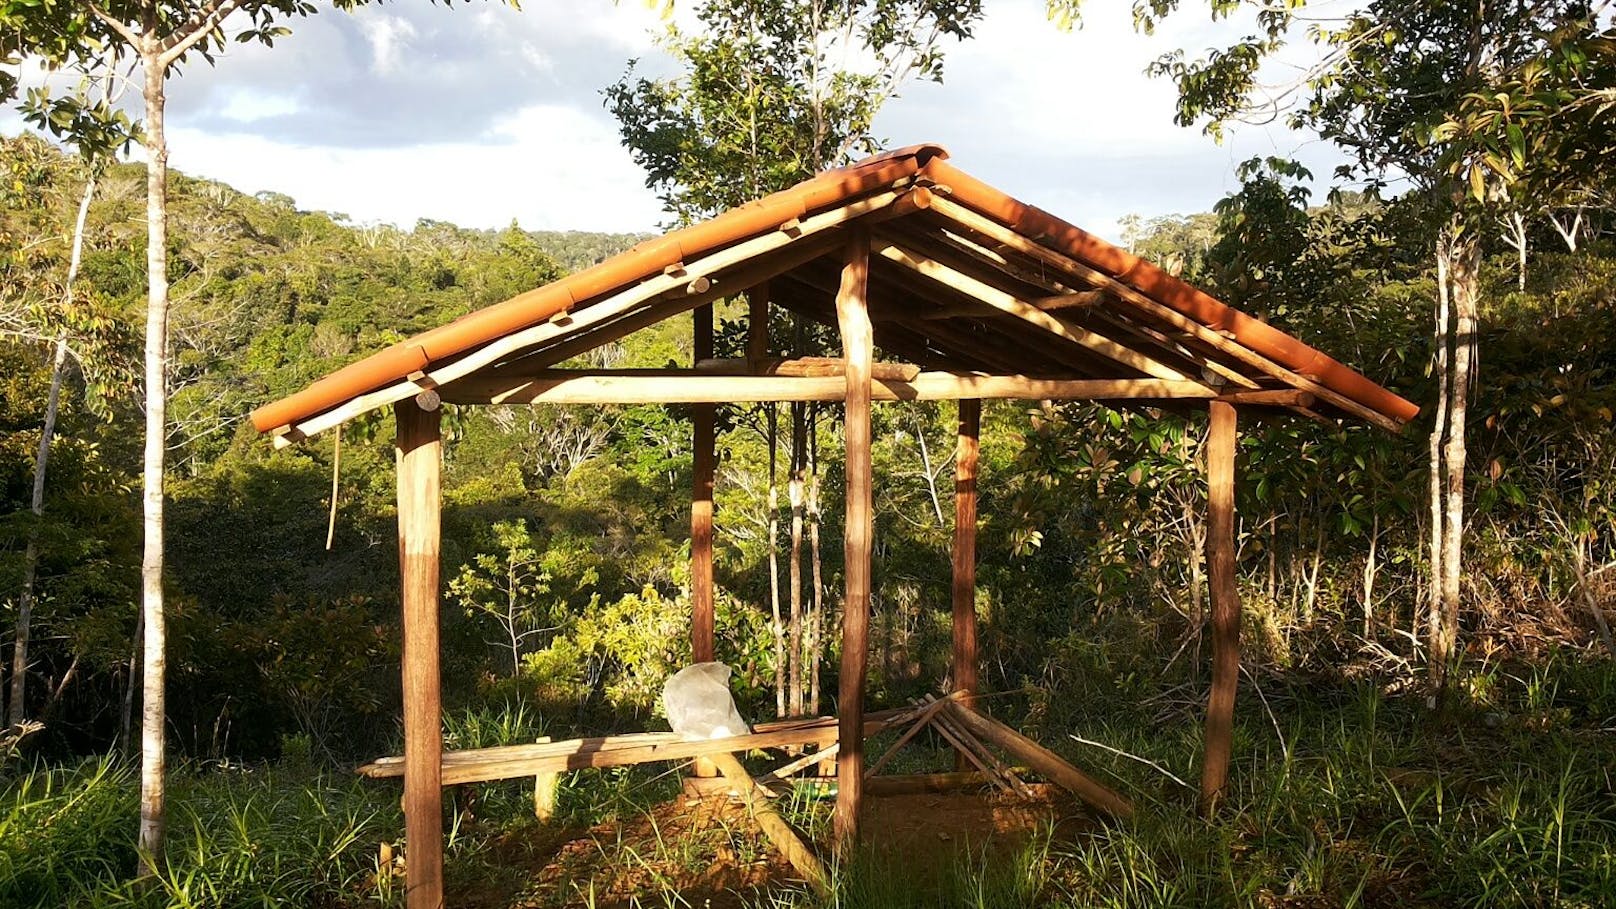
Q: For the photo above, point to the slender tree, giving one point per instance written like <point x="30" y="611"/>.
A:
<point x="159" y="35"/>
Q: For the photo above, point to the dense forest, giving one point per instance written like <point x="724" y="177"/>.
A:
<point x="1358" y="779"/>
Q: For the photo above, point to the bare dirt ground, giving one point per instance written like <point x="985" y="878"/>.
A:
<point x="712" y="854"/>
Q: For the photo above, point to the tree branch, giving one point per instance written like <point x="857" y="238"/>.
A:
<point x="122" y="30"/>
<point x="201" y="25"/>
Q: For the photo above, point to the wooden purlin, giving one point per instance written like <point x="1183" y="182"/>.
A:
<point x="730" y="282"/>
<point x="996" y="232"/>
<point x="1186" y="352"/>
<point x="1036" y="289"/>
<point x="994" y="267"/>
<point x="820" y="287"/>
<point x="617" y="304"/>
<point x="941" y="273"/>
<point x="1024" y="351"/>
<point x="796" y="292"/>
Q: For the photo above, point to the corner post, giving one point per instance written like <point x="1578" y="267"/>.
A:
<point x="1220" y="543"/>
<point x="420" y="455"/>
<point x="858" y="340"/>
<point x="701" y="504"/>
<point x="965" y="461"/>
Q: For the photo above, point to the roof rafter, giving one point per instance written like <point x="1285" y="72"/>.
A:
<point x="1008" y="303"/>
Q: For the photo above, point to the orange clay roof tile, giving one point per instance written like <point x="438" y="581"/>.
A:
<point x="768" y="213"/>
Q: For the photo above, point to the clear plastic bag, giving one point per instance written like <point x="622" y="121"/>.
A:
<point x="699" y="704"/>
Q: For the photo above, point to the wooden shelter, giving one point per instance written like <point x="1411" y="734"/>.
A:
<point x="977" y="295"/>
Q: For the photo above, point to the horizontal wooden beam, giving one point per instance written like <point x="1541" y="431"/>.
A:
<point x="801" y="366"/>
<point x="564" y="387"/>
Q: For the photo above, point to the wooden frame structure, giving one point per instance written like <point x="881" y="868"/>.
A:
<point x="981" y="296"/>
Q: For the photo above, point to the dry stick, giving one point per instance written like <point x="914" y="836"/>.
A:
<point x="1132" y="757"/>
<point x="1051" y="765"/>
<point x="971" y="754"/>
<point x="336" y="468"/>
<point x="925" y="718"/>
<point x="1012" y="782"/>
<point x="1270" y="711"/>
<point x="781" y="773"/>
<point x="779" y="832"/>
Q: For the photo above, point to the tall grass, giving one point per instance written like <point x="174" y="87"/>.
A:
<point x="235" y="839"/>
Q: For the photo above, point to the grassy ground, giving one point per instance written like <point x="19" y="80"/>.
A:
<point x="1342" y="795"/>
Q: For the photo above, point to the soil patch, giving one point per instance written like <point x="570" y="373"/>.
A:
<point x="711" y="852"/>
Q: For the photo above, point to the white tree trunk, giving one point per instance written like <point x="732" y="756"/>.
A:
<point x="152" y="758"/>
<point x="30" y="568"/>
<point x="1466" y="291"/>
<point x="1438" y="648"/>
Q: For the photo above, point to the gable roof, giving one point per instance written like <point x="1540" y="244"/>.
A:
<point x="967" y="278"/>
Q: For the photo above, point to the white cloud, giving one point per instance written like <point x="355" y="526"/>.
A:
<point x="545" y="166"/>
<point x="484" y="113"/>
<point x="389" y="38"/>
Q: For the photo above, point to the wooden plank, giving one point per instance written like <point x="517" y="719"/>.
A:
<point x="546" y="789"/>
<point x="784" y="772"/>
<point x="603" y="310"/>
<point x="566" y="387"/>
<point x="1042" y="760"/>
<point x="1005" y="302"/>
<point x="703" y="458"/>
<point x="420" y="455"/>
<point x="1012" y="783"/>
<point x="1225" y="596"/>
<point x="774" y="826"/>
<point x="858" y="340"/>
<point x="987" y="227"/>
<point x="1279" y="397"/>
<point x="513" y="761"/>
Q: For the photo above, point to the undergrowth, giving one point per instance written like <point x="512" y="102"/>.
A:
<point x="1341" y="795"/>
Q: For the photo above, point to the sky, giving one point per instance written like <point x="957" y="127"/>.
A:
<point x="481" y="115"/>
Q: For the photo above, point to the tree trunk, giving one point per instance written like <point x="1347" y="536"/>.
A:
<point x="1465" y="274"/>
<point x="152" y="759"/>
<point x="774" y="565"/>
<point x="30" y="567"/>
<point x="1371" y="566"/>
<point x="795" y="658"/>
<point x="816" y="614"/>
<point x="1439" y="648"/>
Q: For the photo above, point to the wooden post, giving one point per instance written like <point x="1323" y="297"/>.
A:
<point x="853" y="318"/>
<point x="757" y="325"/>
<point x="420" y="453"/>
<point x="1220" y="451"/>
<point x="701" y="505"/>
<point x="965" y="458"/>
<point x="546" y="787"/>
<point x="702" y="417"/>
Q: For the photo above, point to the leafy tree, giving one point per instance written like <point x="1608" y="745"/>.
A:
<point x="1397" y="89"/>
<point x="507" y="586"/>
<point x="159" y="35"/>
<point x="770" y="96"/>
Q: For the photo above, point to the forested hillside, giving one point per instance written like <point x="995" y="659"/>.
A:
<point x="565" y="557"/>
<point x="1092" y="513"/>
